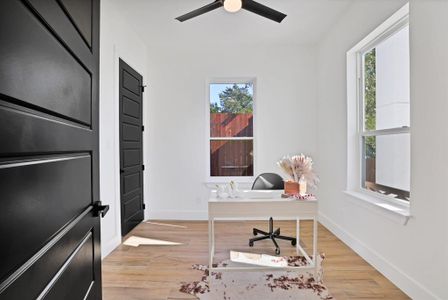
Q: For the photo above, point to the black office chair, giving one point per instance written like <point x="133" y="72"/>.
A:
<point x="270" y="181"/>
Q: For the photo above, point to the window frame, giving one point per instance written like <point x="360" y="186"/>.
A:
<point x="225" y="179"/>
<point x="370" y="43"/>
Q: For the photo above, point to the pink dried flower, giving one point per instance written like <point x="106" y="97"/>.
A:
<point x="299" y="166"/>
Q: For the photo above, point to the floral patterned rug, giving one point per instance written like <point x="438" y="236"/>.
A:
<point x="260" y="285"/>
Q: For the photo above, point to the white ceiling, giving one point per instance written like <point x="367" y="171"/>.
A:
<point x="306" y="23"/>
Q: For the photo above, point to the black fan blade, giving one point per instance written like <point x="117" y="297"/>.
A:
<point x="200" y="11"/>
<point x="263" y="10"/>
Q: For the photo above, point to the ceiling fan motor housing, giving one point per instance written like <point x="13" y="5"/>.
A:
<point x="235" y="6"/>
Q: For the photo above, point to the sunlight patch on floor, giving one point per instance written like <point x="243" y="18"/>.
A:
<point x="165" y="224"/>
<point x="135" y="241"/>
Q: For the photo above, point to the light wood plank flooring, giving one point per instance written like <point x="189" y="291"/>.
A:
<point x="154" y="272"/>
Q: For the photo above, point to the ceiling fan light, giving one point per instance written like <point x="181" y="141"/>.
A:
<point x="232" y="6"/>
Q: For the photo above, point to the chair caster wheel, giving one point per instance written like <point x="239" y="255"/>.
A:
<point x="254" y="232"/>
<point x="277" y="251"/>
<point x="294" y="242"/>
<point x="251" y="244"/>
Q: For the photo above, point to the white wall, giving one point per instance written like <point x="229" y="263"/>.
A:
<point x="429" y="146"/>
<point x="285" y="111"/>
<point x="413" y="256"/>
<point x="117" y="40"/>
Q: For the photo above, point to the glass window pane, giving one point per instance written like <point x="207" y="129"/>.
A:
<point x="387" y="83"/>
<point x="387" y="165"/>
<point x="231" y="158"/>
<point x="231" y="125"/>
<point x="231" y="110"/>
<point x="370" y="90"/>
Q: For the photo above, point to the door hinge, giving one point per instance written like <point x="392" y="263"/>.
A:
<point x="143" y="128"/>
<point x="143" y="167"/>
<point x="143" y="88"/>
<point x="144" y="206"/>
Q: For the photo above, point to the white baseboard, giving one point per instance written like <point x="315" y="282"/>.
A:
<point x="408" y="285"/>
<point x="184" y="215"/>
<point x="108" y="246"/>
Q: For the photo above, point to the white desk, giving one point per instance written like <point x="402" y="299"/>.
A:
<point x="260" y="205"/>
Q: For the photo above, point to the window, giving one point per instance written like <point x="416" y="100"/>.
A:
<point x="231" y="129"/>
<point x="384" y="129"/>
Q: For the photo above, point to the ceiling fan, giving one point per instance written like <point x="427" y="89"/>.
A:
<point x="234" y="6"/>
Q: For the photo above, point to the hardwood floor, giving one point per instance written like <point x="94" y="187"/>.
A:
<point x="154" y="272"/>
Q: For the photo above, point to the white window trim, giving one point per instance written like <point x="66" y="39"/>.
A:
<point x="224" y="179"/>
<point x="355" y="126"/>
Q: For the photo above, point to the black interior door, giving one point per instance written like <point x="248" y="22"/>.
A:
<point x="49" y="228"/>
<point x="131" y="147"/>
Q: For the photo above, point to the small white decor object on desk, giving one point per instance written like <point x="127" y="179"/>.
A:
<point x="233" y="189"/>
<point x="263" y="260"/>
<point x="229" y="190"/>
<point x="221" y="191"/>
<point x="303" y="187"/>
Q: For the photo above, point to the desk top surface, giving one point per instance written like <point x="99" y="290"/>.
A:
<point x="256" y="196"/>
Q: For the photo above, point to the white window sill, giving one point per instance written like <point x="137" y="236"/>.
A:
<point x="394" y="211"/>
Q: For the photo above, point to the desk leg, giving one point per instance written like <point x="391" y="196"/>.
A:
<point x="211" y="241"/>
<point x="211" y="250"/>
<point x="315" y="245"/>
<point x="297" y="236"/>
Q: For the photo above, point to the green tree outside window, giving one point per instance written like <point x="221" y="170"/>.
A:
<point x="235" y="100"/>
<point x="370" y="100"/>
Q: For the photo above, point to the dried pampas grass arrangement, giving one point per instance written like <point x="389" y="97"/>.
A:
<point x="299" y="167"/>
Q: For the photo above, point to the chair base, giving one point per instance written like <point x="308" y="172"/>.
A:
<point x="273" y="235"/>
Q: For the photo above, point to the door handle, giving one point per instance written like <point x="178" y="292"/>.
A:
<point x="99" y="209"/>
<point x="121" y="171"/>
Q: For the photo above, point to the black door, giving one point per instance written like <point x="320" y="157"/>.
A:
<point x="131" y="147"/>
<point x="49" y="228"/>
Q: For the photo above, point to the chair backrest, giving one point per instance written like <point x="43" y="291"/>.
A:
<point x="268" y="181"/>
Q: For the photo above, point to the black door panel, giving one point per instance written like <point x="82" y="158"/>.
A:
<point x="38" y="70"/>
<point x="130" y="108"/>
<point x="56" y="190"/>
<point x="132" y="206"/>
<point x="131" y="147"/>
<point x="80" y="13"/>
<point x="43" y="272"/>
<point x="131" y="183"/>
<point x="59" y="19"/>
<point x="131" y="132"/>
<point x="21" y="132"/>
<point x="76" y="273"/>
<point x="131" y="82"/>
<point x="49" y="225"/>
<point x="131" y="157"/>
